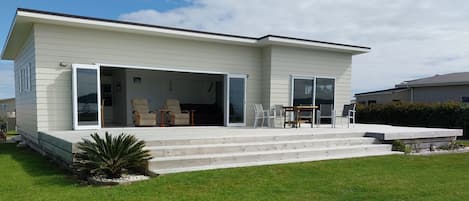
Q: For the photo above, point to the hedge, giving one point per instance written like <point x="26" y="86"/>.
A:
<point x="437" y="115"/>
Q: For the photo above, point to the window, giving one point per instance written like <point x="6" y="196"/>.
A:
<point x="21" y="80"/>
<point x="465" y="99"/>
<point x="313" y="91"/>
<point x="24" y="78"/>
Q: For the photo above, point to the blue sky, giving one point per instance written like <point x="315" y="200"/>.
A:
<point x="409" y="39"/>
<point x="110" y="9"/>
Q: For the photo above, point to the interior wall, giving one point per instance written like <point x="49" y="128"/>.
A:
<point x="119" y="97"/>
<point x="157" y="86"/>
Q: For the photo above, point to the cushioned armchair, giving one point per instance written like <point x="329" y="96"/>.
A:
<point x="177" y="117"/>
<point x="141" y="114"/>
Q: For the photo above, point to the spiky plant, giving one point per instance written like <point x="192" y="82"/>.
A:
<point x="110" y="156"/>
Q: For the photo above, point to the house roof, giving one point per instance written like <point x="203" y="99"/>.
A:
<point x="460" y="78"/>
<point x="384" y="91"/>
<point x="25" y="18"/>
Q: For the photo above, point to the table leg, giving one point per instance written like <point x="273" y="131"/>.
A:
<point x="192" y="118"/>
<point x="312" y="118"/>
<point x="298" y="124"/>
<point x="162" y="117"/>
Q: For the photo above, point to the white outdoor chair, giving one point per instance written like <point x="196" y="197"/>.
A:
<point x="326" y="111"/>
<point x="260" y="113"/>
<point x="278" y="113"/>
<point x="349" y="114"/>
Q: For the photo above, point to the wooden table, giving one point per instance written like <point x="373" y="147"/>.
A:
<point x="297" y="117"/>
<point x="191" y="113"/>
<point x="163" y="113"/>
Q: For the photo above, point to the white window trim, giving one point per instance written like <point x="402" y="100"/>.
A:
<point x="74" y="96"/>
<point x="227" y="101"/>
<point x="292" y="85"/>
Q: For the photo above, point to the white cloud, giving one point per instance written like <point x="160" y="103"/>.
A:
<point x="409" y="39"/>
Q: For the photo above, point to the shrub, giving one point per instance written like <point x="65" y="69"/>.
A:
<point x="398" y="145"/>
<point x="453" y="145"/>
<point x="442" y="115"/>
<point x="110" y="156"/>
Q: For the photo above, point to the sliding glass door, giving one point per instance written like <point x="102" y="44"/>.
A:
<point x="325" y="88"/>
<point x="303" y="91"/>
<point x="86" y="97"/>
<point x="235" y="100"/>
<point x="313" y="91"/>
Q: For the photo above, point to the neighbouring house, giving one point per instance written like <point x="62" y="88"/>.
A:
<point x="8" y="112"/>
<point x="452" y="87"/>
<point x="74" y="72"/>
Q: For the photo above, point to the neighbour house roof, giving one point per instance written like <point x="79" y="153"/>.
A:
<point x="7" y="99"/>
<point x="25" y="18"/>
<point x="451" y="79"/>
<point x="381" y="92"/>
<point x="460" y="78"/>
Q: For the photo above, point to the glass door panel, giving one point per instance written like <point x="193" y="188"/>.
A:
<point x="303" y="91"/>
<point x="236" y="100"/>
<point x="325" y="88"/>
<point x="86" y="97"/>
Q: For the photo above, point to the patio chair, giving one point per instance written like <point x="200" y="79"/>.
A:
<point x="326" y="111"/>
<point x="177" y="117"/>
<point x="141" y="113"/>
<point x="260" y="113"/>
<point x="349" y="114"/>
<point x="278" y="113"/>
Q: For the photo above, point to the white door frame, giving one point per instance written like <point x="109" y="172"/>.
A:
<point x="314" y="78"/>
<point x="74" y="95"/>
<point x="227" y="100"/>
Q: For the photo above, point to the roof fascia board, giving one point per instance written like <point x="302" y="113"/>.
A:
<point x="13" y="22"/>
<point x="273" y="40"/>
<point x="34" y="16"/>
<point x="40" y="17"/>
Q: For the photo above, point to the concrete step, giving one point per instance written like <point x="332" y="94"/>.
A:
<point x="274" y="162"/>
<point x="167" y="164"/>
<point x="247" y="139"/>
<point x="182" y="150"/>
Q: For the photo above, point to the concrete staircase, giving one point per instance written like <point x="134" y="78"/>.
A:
<point x="182" y="155"/>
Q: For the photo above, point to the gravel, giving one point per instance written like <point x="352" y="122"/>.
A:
<point x="124" y="179"/>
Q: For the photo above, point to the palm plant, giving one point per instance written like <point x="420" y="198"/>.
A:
<point x="111" y="156"/>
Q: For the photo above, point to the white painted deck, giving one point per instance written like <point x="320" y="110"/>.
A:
<point x="180" y="149"/>
<point x="197" y="132"/>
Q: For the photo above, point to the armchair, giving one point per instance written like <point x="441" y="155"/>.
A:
<point x="178" y="117"/>
<point x="141" y="114"/>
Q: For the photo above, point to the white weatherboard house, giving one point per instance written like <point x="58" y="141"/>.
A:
<point x="76" y="75"/>
<point x="117" y="61"/>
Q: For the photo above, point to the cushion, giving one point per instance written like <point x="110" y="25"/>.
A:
<point x="173" y="106"/>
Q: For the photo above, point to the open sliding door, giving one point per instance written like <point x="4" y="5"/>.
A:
<point x="86" y="96"/>
<point x="235" y="95"/>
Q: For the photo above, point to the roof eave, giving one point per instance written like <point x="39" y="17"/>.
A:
<point x="286" y="41"/>
<point x="35" y="16"/>
<point x="4" y="55"/>
<point x="433" y="84"/>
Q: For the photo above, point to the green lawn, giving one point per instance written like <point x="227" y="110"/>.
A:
<point x="25" y="175"/>
<point x="464" y="142"/>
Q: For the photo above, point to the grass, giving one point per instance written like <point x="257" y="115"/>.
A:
<point x="464" y="142"/>
<point x="24" y="175"/>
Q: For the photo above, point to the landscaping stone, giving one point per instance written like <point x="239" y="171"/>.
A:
<point x="124" y="179"/>
<point x="440" y="151"/>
